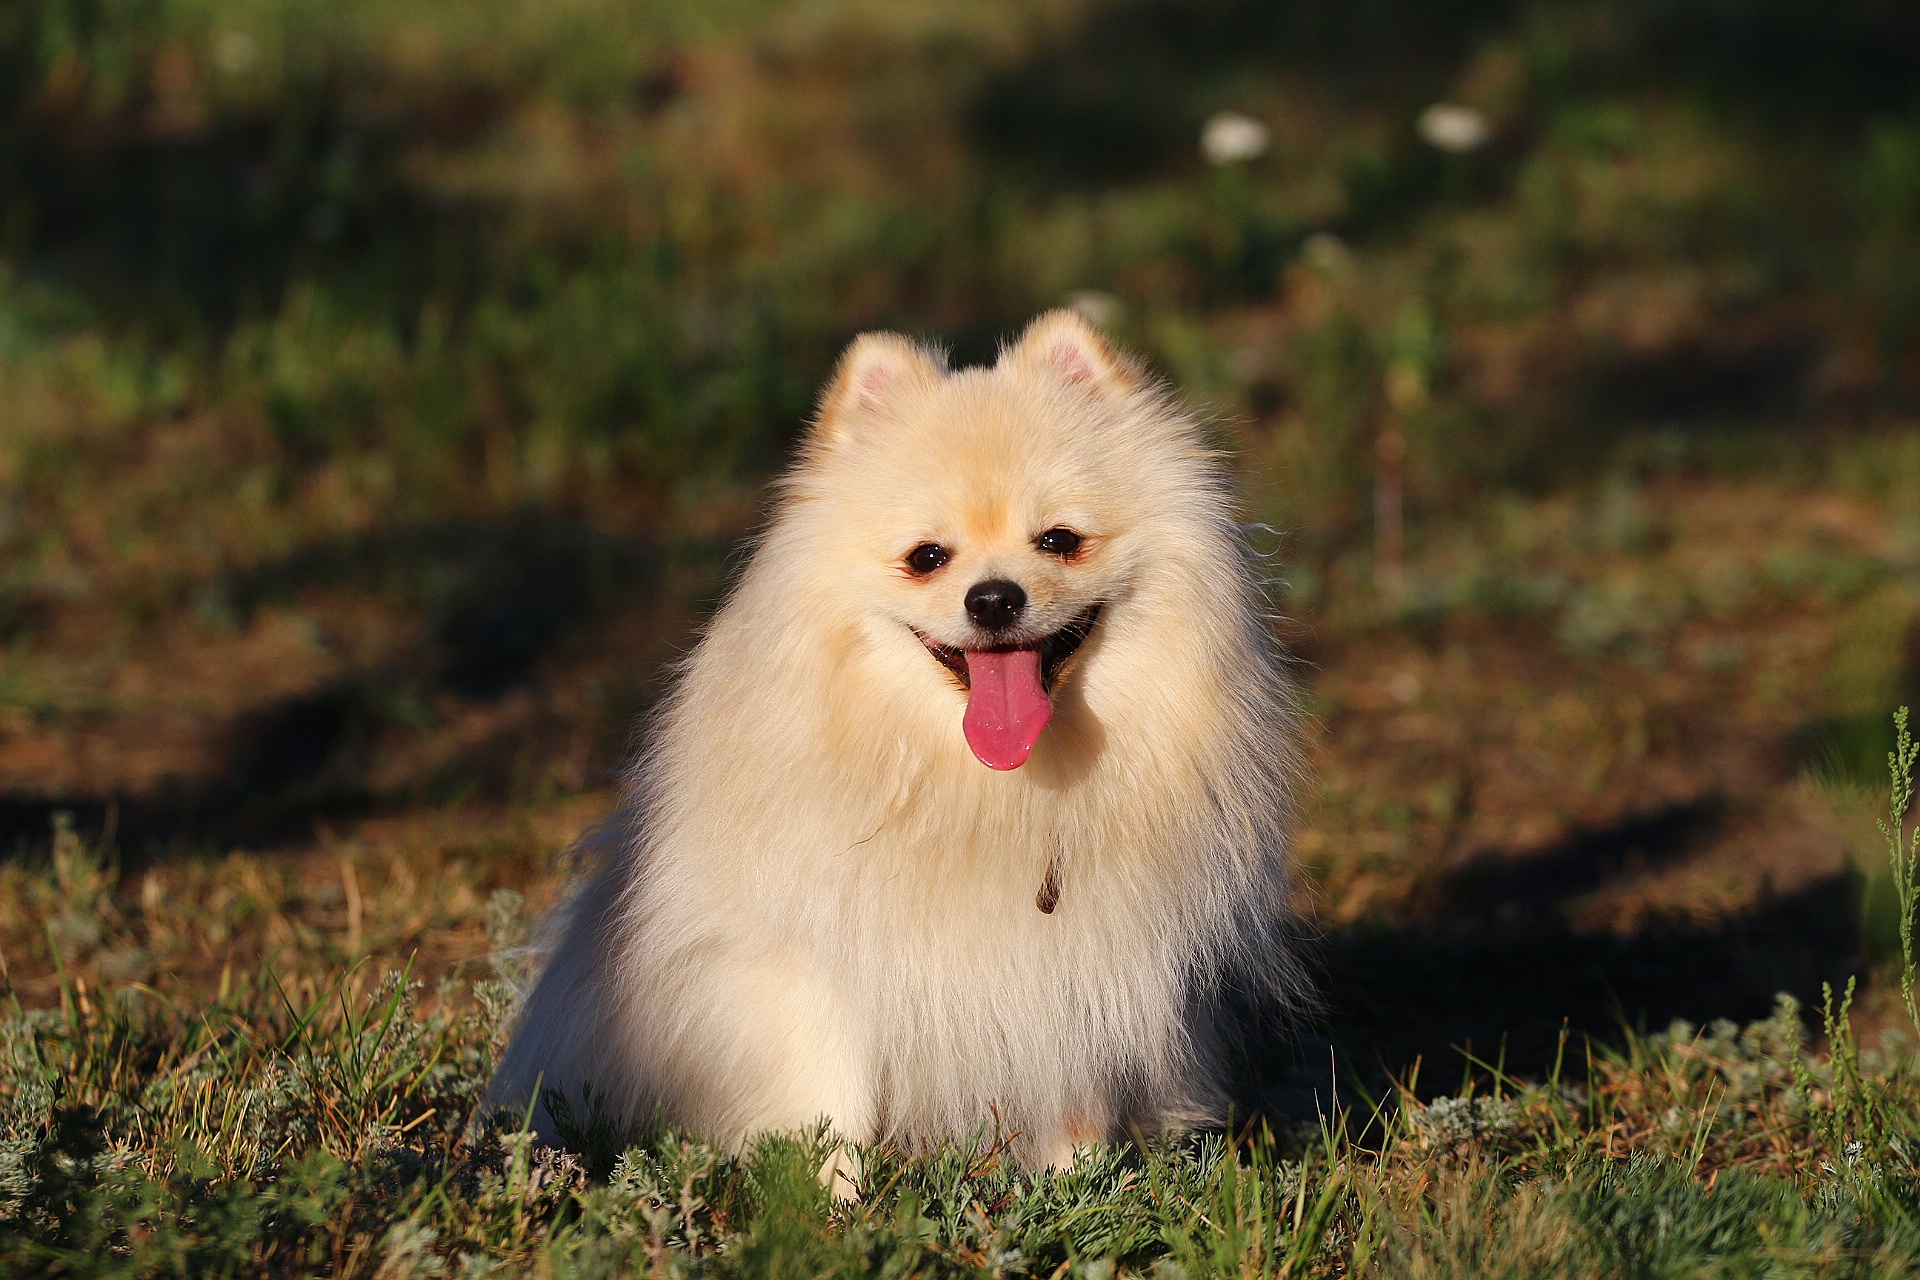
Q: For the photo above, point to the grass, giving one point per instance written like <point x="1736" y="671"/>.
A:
<point x="385" y="390"/>
<point x="299" y="1123"/>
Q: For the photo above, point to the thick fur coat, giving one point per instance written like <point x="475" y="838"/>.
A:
<point x="819" y="901"/>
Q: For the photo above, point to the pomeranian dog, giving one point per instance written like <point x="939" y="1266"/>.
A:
<point x="970" y="804"/>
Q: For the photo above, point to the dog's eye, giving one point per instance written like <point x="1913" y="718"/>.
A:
<point x="1062" y="542"/>
<point x="927" y="557"/>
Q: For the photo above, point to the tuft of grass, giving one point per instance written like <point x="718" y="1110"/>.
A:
<point x="269" y="1134"/>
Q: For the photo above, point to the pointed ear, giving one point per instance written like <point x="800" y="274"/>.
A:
<point x="875" y="371"/>
<point x="1067" y="345"/>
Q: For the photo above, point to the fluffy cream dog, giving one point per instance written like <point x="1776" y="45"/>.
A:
<point x="973" y="799"/>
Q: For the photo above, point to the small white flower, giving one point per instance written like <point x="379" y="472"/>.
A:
<point x="1454" y="128"/>
<point x="1100" y="308"/>
<point x="236" y="52"/>
<point x="1231" y="137"/>
<point x="1326" y="251"/>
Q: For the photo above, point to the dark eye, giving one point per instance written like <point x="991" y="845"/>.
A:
<point x="1060" y="542"/>
<point x="927" y="557"/>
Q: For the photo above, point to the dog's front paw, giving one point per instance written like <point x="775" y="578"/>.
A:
<point x="841" y="1174"/>
<point x="1062" y="1152"/>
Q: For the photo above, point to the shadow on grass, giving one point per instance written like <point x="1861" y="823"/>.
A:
<point x="285" y="767"/>
<point x="1493" y="967"/>
<point x="486" y="607"/>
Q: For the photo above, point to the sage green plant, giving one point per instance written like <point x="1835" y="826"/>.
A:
<point x="1903" y="852"/>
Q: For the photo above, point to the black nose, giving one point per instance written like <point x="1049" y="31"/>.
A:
<point x="995" y="604"/>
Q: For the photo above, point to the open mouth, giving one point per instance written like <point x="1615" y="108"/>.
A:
<point x="1055" y="650"/>
<point x="1009" y="689"/>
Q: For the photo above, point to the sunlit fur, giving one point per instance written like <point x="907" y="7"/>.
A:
<point x="817" y="903"/>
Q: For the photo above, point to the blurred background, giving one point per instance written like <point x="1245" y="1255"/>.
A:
<point x="386" y="387"/>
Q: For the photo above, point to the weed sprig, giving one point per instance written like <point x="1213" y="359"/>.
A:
<point x="1903" y="852"/>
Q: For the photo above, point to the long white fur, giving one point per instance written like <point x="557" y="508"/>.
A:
<point x="816" y="903"/>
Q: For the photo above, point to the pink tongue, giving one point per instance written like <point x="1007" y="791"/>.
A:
<point x="1006" y="707"/>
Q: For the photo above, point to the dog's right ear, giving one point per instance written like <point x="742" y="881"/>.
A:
<point x="873" y="375"/>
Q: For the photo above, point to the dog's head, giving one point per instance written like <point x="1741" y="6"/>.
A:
<point x="1000" y="521"/>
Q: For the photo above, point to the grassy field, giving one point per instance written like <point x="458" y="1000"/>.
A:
<point x="385" y="390"/>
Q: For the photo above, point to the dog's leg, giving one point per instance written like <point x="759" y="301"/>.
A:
<point x="796" y="1059"/>
<point x="823" y="1076"/>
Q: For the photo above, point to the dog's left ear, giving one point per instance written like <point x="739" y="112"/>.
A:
<point x="1064" y="343"/>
